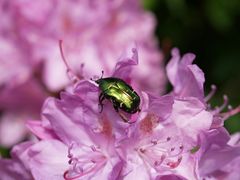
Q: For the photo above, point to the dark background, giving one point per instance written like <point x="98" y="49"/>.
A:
<point x="210" y="29"/>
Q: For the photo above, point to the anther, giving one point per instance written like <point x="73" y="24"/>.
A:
<point x="142" y="150"/>
<point x="79" y="169"/>
<point x="212" y="92"/>
<point x="225" y="103"/>
<point x="70" y="155"/>
<point x="230" y="107"/>
<point x="157" y="163"/>
<point x="93" y="148"/>
<point x="154" y="141"/>
<point x="174" y="164"/>
<point x="181" y="147"/>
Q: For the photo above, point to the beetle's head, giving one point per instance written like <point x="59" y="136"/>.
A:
<point x="97" y="80"/>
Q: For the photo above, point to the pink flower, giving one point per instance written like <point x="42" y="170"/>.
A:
<point x="173" y="137"/>
<point x="12" y="169"/>
<point x="186" y="78"/>
<point x="70" y="154"/>
<point x="220" y="156"/>
<point x="9" y="50"/>
<point x="162" y="145"/>
<point x="88" y="149"/>
<point x="18" y="102"/>
<point x="221" y="160"/>
<point x="21" y="94"/>
<point x="94" y="36"/>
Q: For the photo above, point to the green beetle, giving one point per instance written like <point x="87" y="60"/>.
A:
<point x="120" y="94"/>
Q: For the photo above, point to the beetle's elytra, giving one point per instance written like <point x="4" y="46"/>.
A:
<point x="120" y="94"/>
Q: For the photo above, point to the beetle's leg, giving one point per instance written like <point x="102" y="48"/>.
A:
<point x="115" y="106"/>
<point x="121" y="105"/>
<point x="124" y="118"/>
<point x="100" y="99"/>
<point x="139" y="110"/>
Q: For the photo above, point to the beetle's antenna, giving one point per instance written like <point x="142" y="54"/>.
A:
<point x="71" y="75"/>
<point x="95" y="77"/>
<point x="102" y="74"/>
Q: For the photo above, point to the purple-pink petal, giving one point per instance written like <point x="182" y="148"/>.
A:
<point x="187" y="79"/>
<point x="13" y="169"/>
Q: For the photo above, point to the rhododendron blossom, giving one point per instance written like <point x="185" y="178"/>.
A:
<point x="221" y="159"/>
<point x="94" y="33"/>
<point x="174" y="136"/>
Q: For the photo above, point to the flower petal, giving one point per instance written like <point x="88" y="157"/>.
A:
<point x="161" y="106"/>
<point x="216" y="158"/>
<point x="124" y="67"/>
<point x="48" y="159"/>
<point x="13" y="169"/>
<point x="63" y="126"/>
<point x="187" y="79"/>
<point x="40" y="131"/>
<point x="190" y="116"/>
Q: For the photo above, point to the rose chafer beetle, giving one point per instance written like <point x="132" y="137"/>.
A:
<point x="114" y="89"/>
<point x="120" y="94"/>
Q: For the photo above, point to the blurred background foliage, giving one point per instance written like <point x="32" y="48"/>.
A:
<point x="211" y="30"/>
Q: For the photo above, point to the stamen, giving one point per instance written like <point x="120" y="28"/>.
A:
<point x="230" y="107"/>
<point x="78" y="172"/>
<point x="212" y="92"/>
<point x="91" y="160"/>
<point x="175" y="164"/>
<point x="93" y="148"/>
<point x="230" y="113"/>
<point x="78" y="169"/>
<point x="177" y="153"/>
<point x="225" y="103"/>
<point x="154" y="141"/>
<point x="159" y="155"/>
<point x="208" y="106"/>
<point x="142" y="150"/>
<point x="216" y="112"/>
<point x="70" y="155"/>
<point x="71" y="75"/>
<point x="159" y="162"/>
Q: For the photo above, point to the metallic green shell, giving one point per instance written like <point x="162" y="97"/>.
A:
<point x="120" y="93"/>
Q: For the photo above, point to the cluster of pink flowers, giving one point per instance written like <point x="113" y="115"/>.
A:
<point x="175" y="136"/>
<point x="95" y="32"/>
